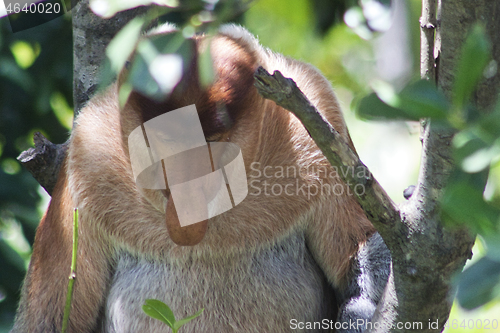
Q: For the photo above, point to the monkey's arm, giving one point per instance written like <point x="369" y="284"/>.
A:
<point x="44" y="291"/>
<point x="354" y="259"/>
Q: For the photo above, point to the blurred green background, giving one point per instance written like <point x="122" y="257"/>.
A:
<point x="354" y="50"/>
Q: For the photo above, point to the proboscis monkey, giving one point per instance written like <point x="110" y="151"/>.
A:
<point x="296" y="255"/>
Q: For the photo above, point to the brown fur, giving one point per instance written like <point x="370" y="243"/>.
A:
<point x="268" y="260"/>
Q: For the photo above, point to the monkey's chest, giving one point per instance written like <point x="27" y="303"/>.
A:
<point x="265" y="291"/>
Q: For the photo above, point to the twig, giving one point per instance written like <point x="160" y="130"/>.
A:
<point x="72" y="276"/>
<point x="427" y="29"/>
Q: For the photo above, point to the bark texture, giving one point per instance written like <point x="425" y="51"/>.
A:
<point x="456" y="18"/>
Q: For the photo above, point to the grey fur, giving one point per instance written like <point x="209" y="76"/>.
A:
<point x="366" y="285"/>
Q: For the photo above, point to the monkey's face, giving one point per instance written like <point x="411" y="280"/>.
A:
<point x="223" y="108"/>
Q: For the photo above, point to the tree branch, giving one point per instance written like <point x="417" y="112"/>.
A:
<point x="377" y="205"/>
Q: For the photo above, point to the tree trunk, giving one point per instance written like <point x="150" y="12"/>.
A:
<point x="420" y="289"/>
<point x="91" y="35"/>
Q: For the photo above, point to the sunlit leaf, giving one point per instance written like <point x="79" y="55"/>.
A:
<point x="416" y="101"/>
<point x="371" y="107"/>
<point x="474" y="57"/>
<point x="141" y="80"/>
<point x="206" y="67"/>
<point x="24" y="53"/>
<point x="124" y="93"/>
<point x="478" y="282"/>
<point x="106" y="74"/>
<point x="169" y="43"/>
<point x="477" y="146"/>
<point x="492" y="241"/>
<point x="422" y="100"/>
<point x="480" y="159"/>
<point x="159" y="310"/>
<point x="489" y="124"/>
<point x="378" y="14"/>
<point x="123" y="44"/>
<point x="13" y="244"/>
<point x="463" y="203"/>
<point x="62" y="110"/>
<point x="468" y="147"/>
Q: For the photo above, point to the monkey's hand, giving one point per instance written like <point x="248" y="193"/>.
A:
<point x="366" y="286"/>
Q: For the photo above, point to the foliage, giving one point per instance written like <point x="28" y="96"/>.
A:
<point x="35" y="95"/>
<point x="174" y="52"/>
<point x="472" y="197"/>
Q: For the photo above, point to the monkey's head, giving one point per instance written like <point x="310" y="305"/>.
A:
<point x="224" y="108"/>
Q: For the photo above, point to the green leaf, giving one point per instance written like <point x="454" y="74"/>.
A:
<point x="206" y="67"/>
<point x="181" y="322"/>
<point x="155" y="74"/>
<point x="418" y="100"/>
<point x="11" y="71"/>
<point x="106" y="75"/>
<point x="423" y="100"/>
<point x="477" y="146"/>
<point x="480" y="159"/>
<point x="108" y="8"/>
<point x="463" y="203"/>
<point x="489" y="124"/>
<point x="159" y="310"/>
<point x="141" y="80"/>
<point x="492" y="241"/>
<point x="123" y="44"/>
<point x="371" y="107"/>
<point x="169" y="43"/>
<point x="471" y="152"/>
<point x="474" y="57"/>
<point x="478" y="282"/>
